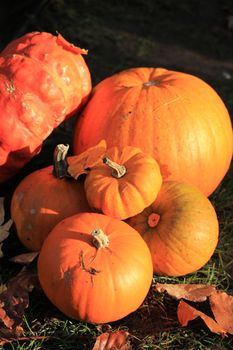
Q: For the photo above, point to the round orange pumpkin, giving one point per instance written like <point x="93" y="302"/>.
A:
<point x="174" y="116"/>
<point x="42" y="199"/>
<point x="95" y="268"/>
<point x="126" y="182"/>
<point x="180" y="228"/>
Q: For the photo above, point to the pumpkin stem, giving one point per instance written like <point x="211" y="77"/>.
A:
<point x="100" y="240"/>
<point x="60" y="164"/>
<point x="150" y="83"/>
<point x="153" y="219"/>
<point x="117" y="170"/>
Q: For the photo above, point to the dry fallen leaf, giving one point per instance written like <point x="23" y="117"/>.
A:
<point x="4" y="228"/>
<point x="2" y="210"/>
<point x="222" y="307"/>
<point x="15" y="298"/>
<point x="7" y="335"/>
<point x="25" y="258"/>
<point x="112" y="341"/>
<point x="81" y="163"/>
<point x="192" y="292"/>
<point x="188" y="313"/>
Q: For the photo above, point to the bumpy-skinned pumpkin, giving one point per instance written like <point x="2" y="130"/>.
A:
<point x="44" y="198"/>
<point x="43" y="80"/>
<point x="174" y="116"/>
<point x="180" y="228"/>
<point x="95" y="268"/>
<point x="124" y="183"/>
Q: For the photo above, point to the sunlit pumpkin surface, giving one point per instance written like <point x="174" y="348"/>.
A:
<point x="43" y="80"/>
<point x="176" y="117"/>
<point x="180" y="227"/>
<point x="96" y="285"/>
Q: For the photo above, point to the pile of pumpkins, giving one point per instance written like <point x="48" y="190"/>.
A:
<point x="149" y="146"/>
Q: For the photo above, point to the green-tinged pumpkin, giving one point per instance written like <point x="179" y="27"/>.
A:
<point x="95" y="268"/>
<point x="44" y="198"/>
<point x="43" y="80"/>
<point x="180" y="228"/>
<point x="176" y="117"/>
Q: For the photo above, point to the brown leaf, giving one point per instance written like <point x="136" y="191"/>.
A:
<point x="4" y="233"/>
<point x="25" y="258"/>
<point x="15" y="298"/>
<point x="6" y="334"/>
<point x="2" y="210"/>
<point x="188" y="313"/>
<point x="222" y="307"/>
<point x="81" y="163"/>
<point x="112" y="341"/>
<point x="192" y="292"/>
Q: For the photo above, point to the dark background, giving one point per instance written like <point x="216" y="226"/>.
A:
<point x="193" y="36"/>
<point x="188" y="35"/>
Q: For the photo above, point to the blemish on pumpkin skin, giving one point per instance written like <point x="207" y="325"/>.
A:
<point x="29" y="227"/>
<point x="90" y="270"/>
<point x="10" y="87"/>
<point x="126" y="115"/>
<point x="67" y="275"/>
<point x="19" y="196"/>
<point x="33" y="211"/>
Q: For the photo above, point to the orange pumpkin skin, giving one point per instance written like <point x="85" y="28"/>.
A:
<point x="130" y="194"/>
<point x="40" y="201"/>
<point x="180" y="228"/>
<point x="176" y="117"/>
<point x="90" y="284"/>
<point x="43" y="80"/>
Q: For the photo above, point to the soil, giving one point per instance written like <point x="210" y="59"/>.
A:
<point x="192" y="36"/>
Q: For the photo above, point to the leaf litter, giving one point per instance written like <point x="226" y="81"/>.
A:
<point x="4" y="227"/>
<point x="221" y="305"/>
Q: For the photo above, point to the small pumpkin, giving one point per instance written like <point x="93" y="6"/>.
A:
<point x="176" y="117"/>
<point x="43" y="198"/>
<point x="43" y="81"/>
<point x="85" y="269"/>
<point x="180" y="228"/>
<point x="124" y="183"/>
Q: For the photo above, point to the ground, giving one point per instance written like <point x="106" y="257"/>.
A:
<point x="191" y="36"/>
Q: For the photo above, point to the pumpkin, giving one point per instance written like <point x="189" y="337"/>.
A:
<point x="124" y="183"/>
<point x="43" y="80"/>
<point x="176" y="117"/>
<point x="180" y="229"/>
<point x="44" y="198"/>
<point x="86" y="271"/>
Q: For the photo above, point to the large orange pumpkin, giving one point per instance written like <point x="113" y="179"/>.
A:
<point x="95" y="268"/>
<point x="43" y="80"/>
<point x="180" y="228"/>
<point x="44" y="198"/>
<point x="176" y="117"/>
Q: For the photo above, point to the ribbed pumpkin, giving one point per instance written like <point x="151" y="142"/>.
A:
<point x="43" y="80"/>
<point x="44" y="198"/>
<point x="180" y="228"/>
<point x="95" y="268"/>
<point x="174" y="116"/>
<point x="126" y="182"/>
